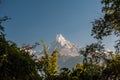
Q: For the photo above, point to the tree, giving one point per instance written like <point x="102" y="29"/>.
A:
<point x="109" y="24"/>
<point x="47" y="64"/>
<point x="15" y="64"/>
<point x="93" y="54"/>
<point x="111" y="68"/>
<point x="65" y="74"/>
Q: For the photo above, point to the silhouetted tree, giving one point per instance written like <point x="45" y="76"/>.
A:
<point x="109" y="24"/>
<point x="15" y="64"/>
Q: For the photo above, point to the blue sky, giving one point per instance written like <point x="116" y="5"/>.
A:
<point x="34" y="20"/>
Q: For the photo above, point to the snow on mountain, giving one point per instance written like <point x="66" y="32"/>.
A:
<point x="68" y="52"/>
<point x="65" y="47"/>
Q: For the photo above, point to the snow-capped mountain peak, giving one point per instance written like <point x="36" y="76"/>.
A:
<point x="65" y="47"/>
<point x="60" y="39"/>
<point x="68" y="52"/>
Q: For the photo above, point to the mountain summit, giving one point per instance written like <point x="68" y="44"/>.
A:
<point x="68" y="52"/>
<point x="60" y="39"/>
<point x="65" y="47"/>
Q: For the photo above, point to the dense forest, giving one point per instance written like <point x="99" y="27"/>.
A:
<point x="18" y="64"/>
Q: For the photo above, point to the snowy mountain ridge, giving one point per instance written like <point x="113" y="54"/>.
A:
<point x="69" y="54"/>
<point x="65" y="47"/>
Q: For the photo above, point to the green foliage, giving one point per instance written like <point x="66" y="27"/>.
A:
<point x="45" y="49"/>
<point x="92" y="53"/>
<point x="48" y="65"/>
<point x="18" y="64"/>
<point x="110" y="23"/>
<point x="97" y="66"/>
<point x="117" y="46"/>
<point x="111" y="69"/>
<point x="65" y="74"/>
<point x="15" y="64"/>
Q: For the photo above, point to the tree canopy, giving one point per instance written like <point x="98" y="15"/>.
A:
<point x="110" y="22"/>
<point x="15" y="64"/>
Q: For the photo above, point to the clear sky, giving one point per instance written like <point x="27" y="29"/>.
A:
<point x="34" y="20"/>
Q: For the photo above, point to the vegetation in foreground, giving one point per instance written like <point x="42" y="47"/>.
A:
<point x="18" y="64"/>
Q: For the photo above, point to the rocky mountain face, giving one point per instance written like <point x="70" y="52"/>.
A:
<point x="65" y="47"/>
<point x="68" y="52"/>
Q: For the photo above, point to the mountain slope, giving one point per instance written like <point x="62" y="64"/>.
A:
<point x="68" y="52"/>
<point x="65" y="47"/>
